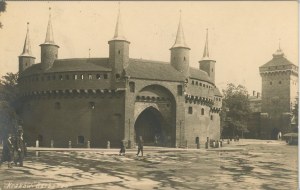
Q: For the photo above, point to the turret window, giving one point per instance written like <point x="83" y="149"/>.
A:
<point x="179" y="90"/>
<point x="279" y="82"/>
<point x="271" y="83"/>
<point x="119" y="52"/>
<point x="202" y="111"/>
<point x="190" y="110"/>
<point x="183" y="58"/>
<point x="132" y="86"/>
<point x="211" y="117"/>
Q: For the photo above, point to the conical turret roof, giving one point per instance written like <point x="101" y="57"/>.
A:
<point x="49" y="34"/>
<point x="180" y="40"/>
<point x="119" y="35"/>
<point x="27" y="46"/>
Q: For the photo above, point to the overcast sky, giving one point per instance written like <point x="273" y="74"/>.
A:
<point x="242" y="35"/>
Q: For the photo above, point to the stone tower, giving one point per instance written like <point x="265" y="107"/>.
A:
<point x="207" y="64"/>
<point x="180" y="52"/>
<point x="279" y="93"/>
<point x="26" y="59"/>
<point x="49" y="50"/>
<point x="118" y="50"/>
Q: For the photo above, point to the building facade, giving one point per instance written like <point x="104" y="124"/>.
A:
<point x="279" y="95"/>
<point x="96" y="100"/>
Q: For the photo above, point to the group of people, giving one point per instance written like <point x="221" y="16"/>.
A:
<point x="140" y="147"/>
<point x="14" y="149"/>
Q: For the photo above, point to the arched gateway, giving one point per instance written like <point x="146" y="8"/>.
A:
<point x="155" y="109"/>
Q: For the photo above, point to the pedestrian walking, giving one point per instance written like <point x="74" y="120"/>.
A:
<point x="140" y="146"/>
<point x="20" y="147"/>
<point x="122" y="148"/>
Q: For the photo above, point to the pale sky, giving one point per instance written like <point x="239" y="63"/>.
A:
<point x="242" y="35"/>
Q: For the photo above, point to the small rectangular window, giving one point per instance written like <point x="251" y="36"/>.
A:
<point x="98" y="76"/>
<point x="81" y="77"/>
<point x="105" y="76"/>
<point x="211" y="117"/>
<point x="75" y="77"/>
<point x="80" y="139"/>
<point x="90" y="77"/>
<point x="190" y="110"/>
<point x="92" y="105"/>
<point x="179" y="90"/>
<point x="132" y="86"/>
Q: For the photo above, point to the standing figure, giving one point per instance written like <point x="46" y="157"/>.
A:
<point x="140" y="146"/>
<point x="122" y="148"/>
<point x="20" y="147"/>
<point x="8" y="151"/>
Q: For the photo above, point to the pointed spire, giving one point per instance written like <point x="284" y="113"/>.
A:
<point x="27" y="46"/>
<point x="206" y="51"/>
<point x="119" y="29"/>
<point x="180" y="41"/>
<point x="49" y="35"/>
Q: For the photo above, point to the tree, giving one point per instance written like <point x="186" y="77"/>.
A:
<point x="237" y="110"/>
<point x="2" y="9"/>
<point x="8" y="103"/>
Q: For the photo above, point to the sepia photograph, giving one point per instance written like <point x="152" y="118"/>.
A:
<point x="142" y="95"/>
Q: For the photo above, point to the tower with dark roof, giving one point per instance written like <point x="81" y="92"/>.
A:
<point x="207" y="63"/>
<point x="49" y="50"/>
<point x="118" y="50"/>
<point x="26" y="59"/>
<point x="279" y="93"/>
<point x="180" y="52"/>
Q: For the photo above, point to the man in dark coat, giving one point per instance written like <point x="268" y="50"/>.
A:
<point x="140" y="146"/>
<point x="8" y="151"/>
<point x="20" y="147"/>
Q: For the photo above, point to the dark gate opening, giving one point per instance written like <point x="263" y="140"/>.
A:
<point x="148" y="125"/>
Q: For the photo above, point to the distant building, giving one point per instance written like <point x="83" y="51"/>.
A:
<point x="279" y="95"/>
<point x="118" y="97"/>
<point x="255" y="102"/>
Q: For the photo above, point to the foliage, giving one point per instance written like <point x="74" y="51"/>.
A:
<point x="8" y="103"/>
<point x="2" y="9"/>
<point x="237" y="110"/>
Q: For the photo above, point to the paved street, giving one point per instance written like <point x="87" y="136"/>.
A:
<point x="254" y="165"/>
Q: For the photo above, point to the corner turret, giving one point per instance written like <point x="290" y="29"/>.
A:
<point x="207" y="64"/>
<point x="26" y="59"/>
<point x="180" y="52"/>
<point x="49" y="50"/>
<point x="118" y="50"/>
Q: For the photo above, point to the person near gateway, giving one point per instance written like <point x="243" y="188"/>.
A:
<point x="140" y="146"/>
<point x="20" y="147"/>
<point x="122" y="148"/>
